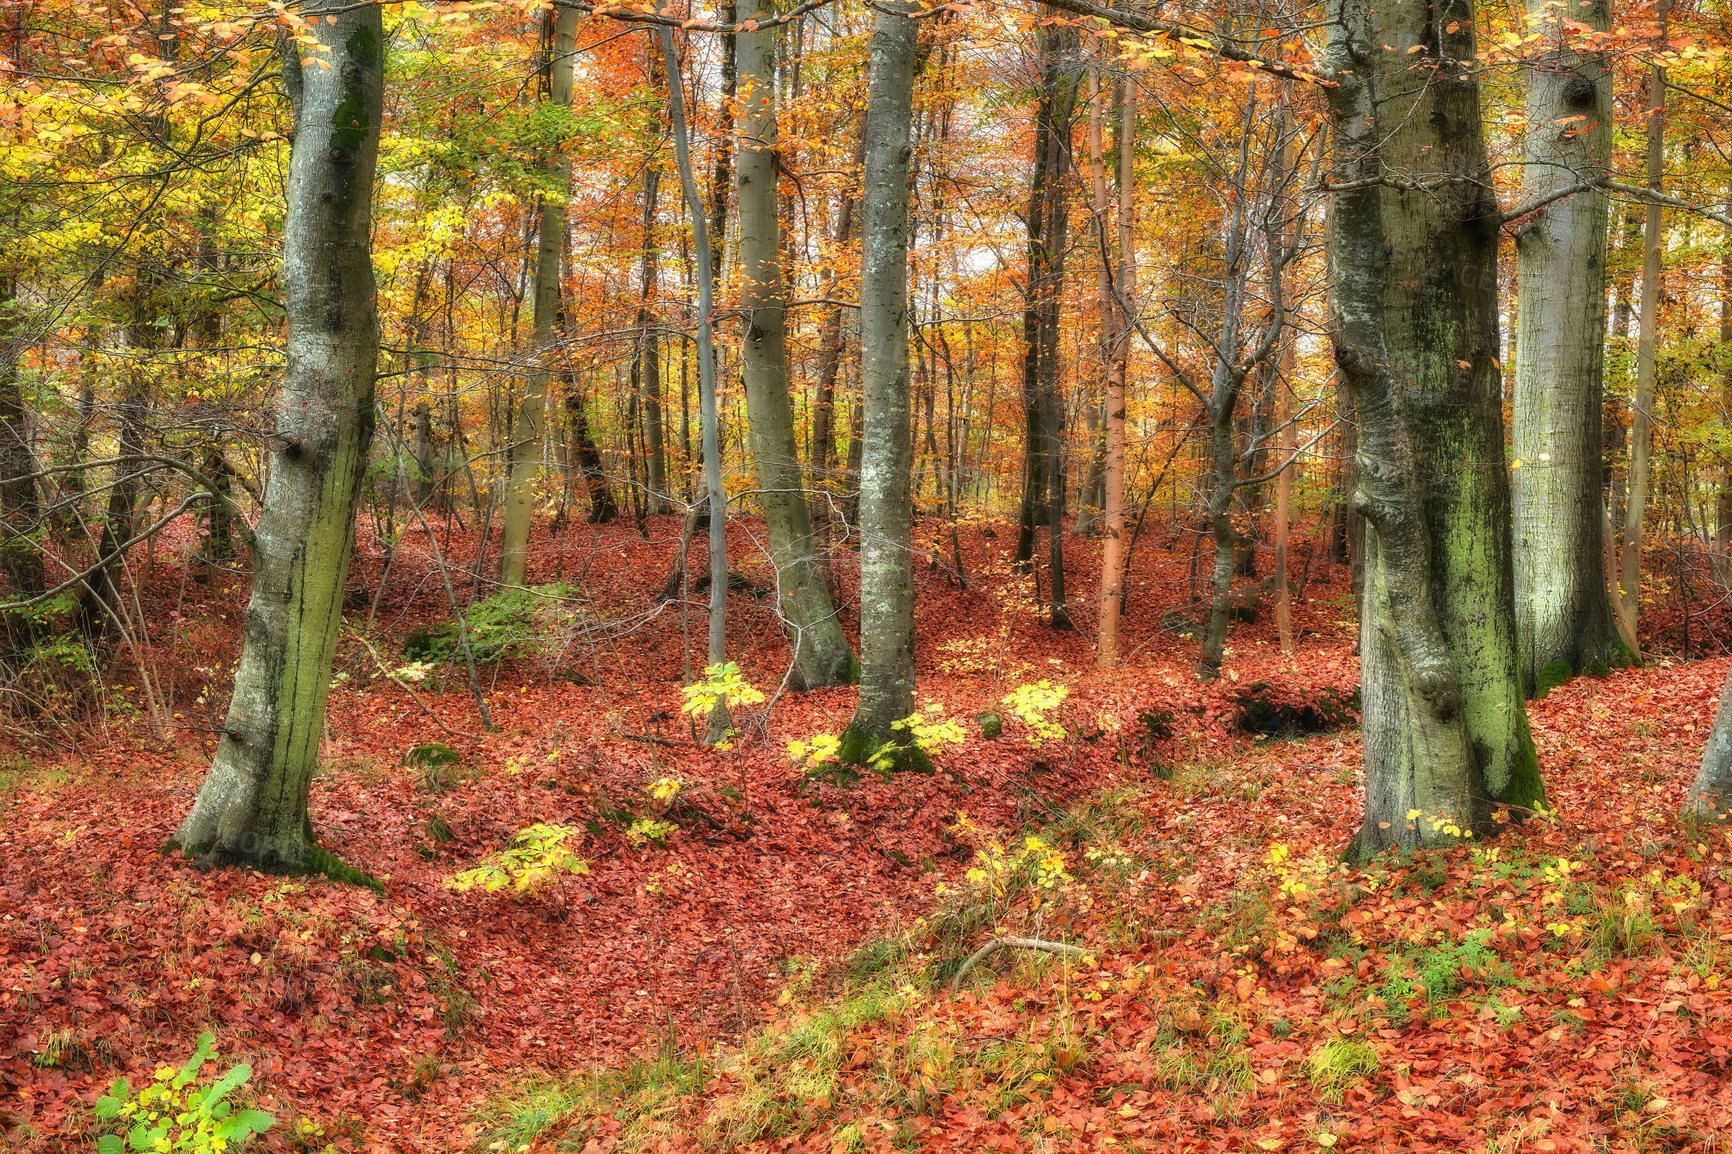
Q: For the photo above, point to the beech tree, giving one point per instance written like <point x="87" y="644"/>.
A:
<point x="821" y="655"/>
<point x="252" y="806"/>
<point x="1413" y="257"/>
<point x="559" y="43"/>
<point x="1564" y="619"/>
<point x="887" y="458"/>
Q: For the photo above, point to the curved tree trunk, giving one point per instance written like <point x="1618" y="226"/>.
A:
<point x="821" y="655"/>
<point x="1416" y="337"/>
<point x="252" y="806"/>
<point x="1564" y="618"/>
<point x="887" y="459"/>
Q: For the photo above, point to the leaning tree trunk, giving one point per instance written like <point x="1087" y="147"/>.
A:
<point x="252" y="807"/>
<point x="1564" y="620"/>
<point x="559" y="47"/>
<point x="716" y="496"/>
<point x="1710" y="796"/>
<point x="821" y="655"/>
<point x="887" y="459"/>
<point x="1416" y="337"/>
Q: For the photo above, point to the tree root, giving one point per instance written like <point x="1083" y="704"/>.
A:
<point x="1063" y="949"/>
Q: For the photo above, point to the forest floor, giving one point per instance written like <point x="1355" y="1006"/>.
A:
<point x="776" y="972"/>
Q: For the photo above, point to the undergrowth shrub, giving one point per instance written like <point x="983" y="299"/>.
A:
<point x="173" y="1114"/>
<point x="514" y="621"/>
<point x="537" y="856"/>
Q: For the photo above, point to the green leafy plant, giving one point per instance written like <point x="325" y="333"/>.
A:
<point x="506" y="624"/>
<point x="173" y="1114"/>
<point x="536" y="856"/>
<point x="1035" y="705"/>
<point x="722" y="683"/>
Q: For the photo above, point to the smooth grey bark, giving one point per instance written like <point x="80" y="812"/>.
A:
<point x="821" y="655"/>
<point x="1710" y="796"/>
<point x="1563" y="613"/>
<point x="559" y="47"/>
<point x="252" y="807"/>
<point x="1416" y="337"/>
<point x="887" y="456"/>
<point x="716" y="495"/>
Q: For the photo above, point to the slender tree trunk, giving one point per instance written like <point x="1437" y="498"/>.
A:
<point x="559" y="47"/>
<point x="1287" y="444"/>
<point x="252" y="807"/>
<point x="709" y="417"/>
<point x="1641" y="415"/>
<point x="821" y="655"/>
<point x="1416" y="336"/>
<point x="20" y="506"/>
<point x="1564" y="621"/>
<point x="821" y="453"/>
<point x="1112" y="594"/>
<point x="649" y="351"/>
<point x="886" y="571"/>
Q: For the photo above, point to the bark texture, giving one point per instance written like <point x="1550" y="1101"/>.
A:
<point x="559" y="45"/>
<point x="887" y="457"/>
<point x="821" y="655"/>
<point x="252" y="807"/>
<point x="1416" y="337"/>
<point x="1563" y="615"/>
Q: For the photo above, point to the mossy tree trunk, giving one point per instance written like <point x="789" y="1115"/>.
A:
<point x="821" y="655"/>
<point x="1563" y="614"/>
<point x="1416" y="337"/>
<point x="252" y="807"/>
<point x="1710" y="796"/>
<point x="887" y="456"/>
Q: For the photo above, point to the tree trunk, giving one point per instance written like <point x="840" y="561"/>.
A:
<point x="649" y="356"/>
<point x="886" y="571"/>
<point x="1048" y="226"/>
<point x="558" y="49"/>
<point x="1416" y="337"/>
<point x="1710" y="796"/>
<point x="20" y="506"/>
<point x="252" y="806"/>
<point x="1112" y="593"/>
<point x="821" y="655"/>
<point x="1641" y="415"/>
<point x="1564" y="619"/>
<point x="716" y="495"/>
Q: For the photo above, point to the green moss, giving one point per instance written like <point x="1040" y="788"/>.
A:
<point x="1523" y="789"/>
<point x="884" y="757"/>
<point x="1554" y="674"/>
<point x="350" y="122"/>
<point x="1596" y="669"/>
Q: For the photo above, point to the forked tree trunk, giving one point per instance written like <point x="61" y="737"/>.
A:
<point x="821" y="655"/>
<point x="252" y="806"/>
<point x="1416" y="337"/>
<point x="886" y="569"/>
<point x="1564" y="619"/>
<point x="559" y="46"/>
